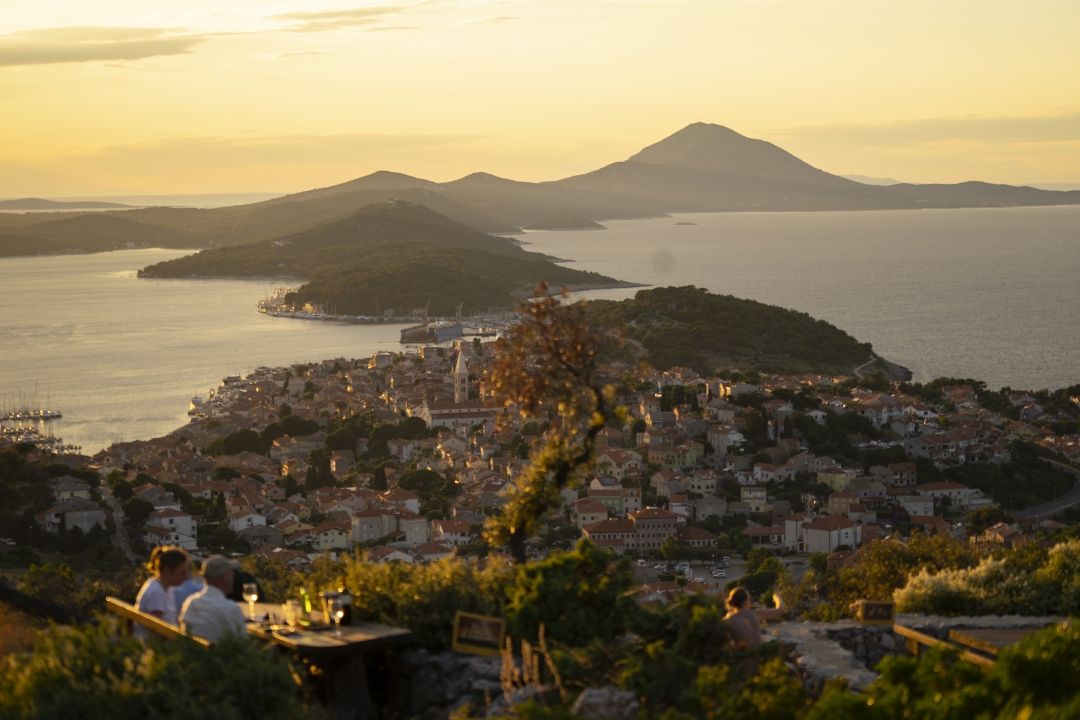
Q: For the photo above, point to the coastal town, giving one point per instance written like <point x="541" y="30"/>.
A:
<point x="402" y="457"/>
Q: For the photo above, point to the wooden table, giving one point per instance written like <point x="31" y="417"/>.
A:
<point x="338" y="661"/>
<point x="990" y="640"/>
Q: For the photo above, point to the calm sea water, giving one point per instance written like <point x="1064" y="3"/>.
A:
<point x="992" y="294"/>
<point x="121" y="357"/>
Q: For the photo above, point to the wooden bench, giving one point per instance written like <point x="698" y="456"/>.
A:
<point x="133" y="616"/>
<point x="916" y="641"/>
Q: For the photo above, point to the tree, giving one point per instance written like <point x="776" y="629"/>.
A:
<point x="669" y="549"/>
<point x="241" y="441"/>
<point x="547" y="369"/>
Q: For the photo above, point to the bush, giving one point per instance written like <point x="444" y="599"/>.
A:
<point x="425" y="598"/>
<point x="1029" y="580"/>
<point x="95" y="673"/>
<point x="1032" y="679"/>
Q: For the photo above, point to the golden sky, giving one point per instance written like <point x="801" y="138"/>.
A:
<point x="188" y="96"/>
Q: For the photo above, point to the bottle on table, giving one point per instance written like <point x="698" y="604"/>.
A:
<point x="345" y="600"/>
<point x="327" y="598"/>
<point x="305" y="604"/>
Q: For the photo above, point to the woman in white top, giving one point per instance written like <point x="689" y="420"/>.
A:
<point x="170" y="568"/>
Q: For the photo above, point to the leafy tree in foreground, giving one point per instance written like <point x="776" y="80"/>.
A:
<point x="547" y="369"/>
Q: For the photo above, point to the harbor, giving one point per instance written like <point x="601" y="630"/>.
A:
<point x="424" y="330"/>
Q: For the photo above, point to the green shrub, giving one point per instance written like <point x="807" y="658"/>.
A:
<point x="579" y="596"/>
<point x="1033" y="679"/>
<point x="94" y="672"/>
<point x="1029" y="580"/>
<point x="425" y="598"/>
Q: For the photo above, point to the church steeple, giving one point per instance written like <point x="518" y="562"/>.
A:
<point x="461" y="378"/>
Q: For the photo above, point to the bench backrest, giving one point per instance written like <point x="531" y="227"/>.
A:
<point x="917" y="640"/>
<point x="156" y="625"/>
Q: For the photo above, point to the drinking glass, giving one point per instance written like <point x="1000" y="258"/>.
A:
<point x="251" y="594"/>
<point x="292" y="612"/>
<point x="337" y="612"/>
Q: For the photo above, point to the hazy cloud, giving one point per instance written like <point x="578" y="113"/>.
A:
<point x="1049" y="128"/>
<point x="283" y="148"/>
<point x="493" y="20"/>
<point x="84" y="44"/>
<point x="324" y="20"/>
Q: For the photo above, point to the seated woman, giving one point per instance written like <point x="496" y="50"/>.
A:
<point x="169" y="566"/>
<point x="744" y="621"/>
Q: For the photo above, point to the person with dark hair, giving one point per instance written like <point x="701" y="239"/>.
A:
<point x="169" y="566"/>
<point x="744" y="621"/>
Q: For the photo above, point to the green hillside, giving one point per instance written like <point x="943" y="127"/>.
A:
<point x="690" y="327"/>
<point x="389" y="255"/>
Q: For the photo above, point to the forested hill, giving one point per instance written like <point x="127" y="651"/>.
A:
<point x="690" y="327"/>
<point x="389" y="255"/>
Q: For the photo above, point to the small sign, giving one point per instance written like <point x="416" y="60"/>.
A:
<point x="478" y="634"/>
<point x="875" y="613"/>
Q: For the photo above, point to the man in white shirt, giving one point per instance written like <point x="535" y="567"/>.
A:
<point x="209" y="614"/>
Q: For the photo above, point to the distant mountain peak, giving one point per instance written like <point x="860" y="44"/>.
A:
<point x="484" y="177"/>
<point x="719" y="149"/>
<point x="384" y="180"/>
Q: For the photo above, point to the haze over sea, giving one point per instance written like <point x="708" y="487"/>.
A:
<point x="990" y="293"/>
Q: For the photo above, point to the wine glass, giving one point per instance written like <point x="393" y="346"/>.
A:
<point x="337" y="612"/>
<point x="251" y="594"/>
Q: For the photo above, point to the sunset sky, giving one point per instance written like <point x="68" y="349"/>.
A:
<point x="144" y="96"/>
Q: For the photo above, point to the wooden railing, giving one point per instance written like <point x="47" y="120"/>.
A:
<point x="155" y="625"/>
<point x="916" y="641"/>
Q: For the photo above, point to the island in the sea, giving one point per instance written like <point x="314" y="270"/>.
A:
<point x="386" y="259"/>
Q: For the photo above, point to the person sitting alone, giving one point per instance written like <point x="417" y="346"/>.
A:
<point x="209" y="614"/>
<point x="170" y="568"/>
<point x="744" y="621"/>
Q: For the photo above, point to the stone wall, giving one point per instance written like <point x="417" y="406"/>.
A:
<point x="869" y="644"/>
<point x="435" y="684"/>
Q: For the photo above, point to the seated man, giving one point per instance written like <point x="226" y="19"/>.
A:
<point x="209" y="614"/>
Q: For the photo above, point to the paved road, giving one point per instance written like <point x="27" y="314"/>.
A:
<point x="858" y="371"/>
<point x="1056" y="505"/>
<point x="118" y="520"/>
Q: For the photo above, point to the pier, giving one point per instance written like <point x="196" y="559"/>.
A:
<point x="29" y="415"/>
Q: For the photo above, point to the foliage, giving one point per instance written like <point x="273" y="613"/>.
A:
<point x="691" y="327"/>
<point x="1033" y="679"/>
<point x="547" y="370"/>
<point x="579" y="595"/>
<point x="1022" y="482"/>
<point x="1028" y="581"/>
<point x="93" y="672"/>
<point x="883" y="566"/>
<point x="244" y="440"/>
<point x="424" y="598"/>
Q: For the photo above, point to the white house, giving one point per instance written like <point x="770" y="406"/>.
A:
<point x="71" y="514"/>
<point x="825" y="534"/>
<point x="921" y="505"/>
<point x="245" y="519"/>
<point x="958" y="494"/>
<point x="179" y="524"/>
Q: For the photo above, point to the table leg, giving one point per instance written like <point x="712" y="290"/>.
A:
<point x="346" y="688"/>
